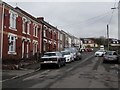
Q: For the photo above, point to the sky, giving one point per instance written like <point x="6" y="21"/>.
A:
<point x="81" y="19"/>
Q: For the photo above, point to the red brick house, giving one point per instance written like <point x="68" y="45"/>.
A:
<point x="49" y="36"/>
<point x="21" y="36"/>
<point x="1" y="29"/>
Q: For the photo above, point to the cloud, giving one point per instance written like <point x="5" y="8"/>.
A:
<point x="82" y="19"/>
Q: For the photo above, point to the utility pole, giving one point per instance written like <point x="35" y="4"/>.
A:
<point x="108" y="35"/>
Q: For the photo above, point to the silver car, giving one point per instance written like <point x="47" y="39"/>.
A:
<point x="111" y="56"/>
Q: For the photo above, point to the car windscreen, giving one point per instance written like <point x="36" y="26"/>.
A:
<point x="73" y="50"/>
<point x="109" y="53"/>
<point x="101" y="51"/>
<point x="65" y="53"/>
<point x="50" y="54"/>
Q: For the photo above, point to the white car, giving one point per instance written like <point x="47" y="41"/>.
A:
<point x="68" y="56"/>
<point x="100" y="53"/>
<point x="53" y="58"/>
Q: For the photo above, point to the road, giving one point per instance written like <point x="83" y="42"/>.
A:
<point x="90" y="72"/>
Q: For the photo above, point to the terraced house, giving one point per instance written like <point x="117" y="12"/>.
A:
<point x="1" y="28"/>
<point x="24" y="37"/>
<point x="21" y="34"/>
<point x="49" y="36"/>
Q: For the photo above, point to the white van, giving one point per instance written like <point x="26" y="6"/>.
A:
<point x="101" y="47"/>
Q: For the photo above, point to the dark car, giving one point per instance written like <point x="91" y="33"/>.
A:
<point x="53" y="58"/>
<point x="88" y="49"/>
<point x="111" y="56"/>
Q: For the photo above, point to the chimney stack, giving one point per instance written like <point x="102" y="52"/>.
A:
<point x="41" y="18"/>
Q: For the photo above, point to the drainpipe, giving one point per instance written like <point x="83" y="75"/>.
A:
<point x="2" y="25"/>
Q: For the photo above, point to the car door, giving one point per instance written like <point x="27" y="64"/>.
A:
<point x="116" y="55"/>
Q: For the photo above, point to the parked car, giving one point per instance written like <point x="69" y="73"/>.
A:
<point x="100" y="53"/>
<point x="88" y="49"/>
<point x="76" y="53"/>
<point x="53" y="58"/>
<point x="79" y="55"/>
<point x="82" y="49"/>
<point x="111" y="56"/>
<point x="101" y="47"/>
<point x="68" y="55"/>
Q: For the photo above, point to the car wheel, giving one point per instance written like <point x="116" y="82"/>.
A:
<point x="64" y="64"/>
<point x="42" y="66"/>
<point x="118" y="61"/>
<point x="80" y="58"/>
<point x="104" y="61"/>
<point x="58" y="65"/>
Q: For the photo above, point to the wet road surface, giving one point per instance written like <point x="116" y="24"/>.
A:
<point x="90" y="72"/>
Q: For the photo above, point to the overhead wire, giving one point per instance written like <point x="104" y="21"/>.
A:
<point x="88" y="20"/>
<point x="112" y="13"/>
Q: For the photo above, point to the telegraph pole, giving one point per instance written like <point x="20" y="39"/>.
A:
<point x="108" y="35"/>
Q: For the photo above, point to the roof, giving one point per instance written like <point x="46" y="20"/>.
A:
<point x="29" y="15"/>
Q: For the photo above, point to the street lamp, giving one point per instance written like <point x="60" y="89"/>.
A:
<point x="108" y="35"/>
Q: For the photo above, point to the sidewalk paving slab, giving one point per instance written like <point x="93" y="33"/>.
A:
<point x="7" y="74"/>
<point x="12" y="74"/>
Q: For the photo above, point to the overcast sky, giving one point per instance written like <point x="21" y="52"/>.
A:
<point x="82" y="19"/>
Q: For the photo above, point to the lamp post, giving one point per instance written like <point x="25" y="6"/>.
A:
<point x="108" y="35"/>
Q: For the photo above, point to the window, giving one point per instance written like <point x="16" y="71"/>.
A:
<point x="44" y="46"/>
<point x="12" y="44"/>
<point x="34" y="48"/>
<point x="44" y="33"/>
<point x="35" y="30"/>
<point x="24" y="25"/>
<point x="13" y="17"/>
<point x="54" y="36"/>
<point x="51" y="34"/>
<point x="28" y="27"/>
<point x="114" y="53"/>
<point x="89" y="41"/>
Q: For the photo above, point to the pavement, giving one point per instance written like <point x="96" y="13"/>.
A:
<point x="12" y="74"/>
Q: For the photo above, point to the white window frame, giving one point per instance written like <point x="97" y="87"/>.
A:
<point x="44" y="33"/>
<point x="28" y="27"/>
<point x="34" y="29"/>
<point x="44" y="46"/>
<point x="35" y="46"/>
<point x="27" y="50"/>
<point x="24" y="20"/>
<point x="12" y="20"/>
<point x="10" y="51"/>
<point x="23" y="48"/>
